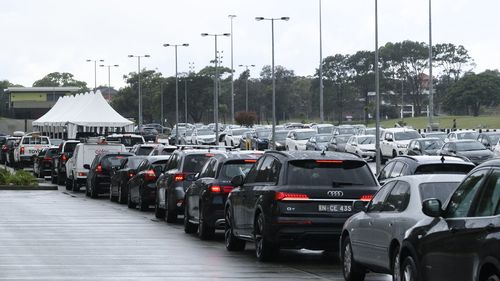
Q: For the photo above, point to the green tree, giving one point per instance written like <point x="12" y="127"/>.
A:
<point x="57" y="79"/>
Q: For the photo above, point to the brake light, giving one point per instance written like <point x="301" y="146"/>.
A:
<point x="329" y="161"/>
<point x="98" y="169"/>
<point x="64" y="157"/>
<point x="179" y="177"/>
<point x="210" y="155"/>
<point x="366" y="198"/>
<point x="22" y="150"/>
<point x="221" y="189"/>
<point x="130" y="175"/>
<point x="215" y="189"/>
<point x="81" y="174"/>
<point x="250" y="160"/>
<point x="47" y="159"/>
<point x="150" y="175"/>
<point x="282" y="196"/>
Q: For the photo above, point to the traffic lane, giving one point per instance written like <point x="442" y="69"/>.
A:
<point x="53" y="235"/>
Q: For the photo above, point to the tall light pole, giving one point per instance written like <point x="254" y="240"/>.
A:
<point x="232" y="70"/>
<point x="321" y="112"/>
<point x="109" y="77"/>
<point x="176" y="90"/>
<point x="246" y="83"/>
<point x="377" y="106"/>
<point x="431" y="94"/>
<point x="95" y="70"/>
<point x="216" y="98"/>
<point x="273" y="137"/>
<point x="139" y="125"/>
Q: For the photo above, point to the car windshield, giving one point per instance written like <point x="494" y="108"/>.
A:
<point x="438" y="190"/>
<point x="347" y="131"/>
<point x="469" y="146"/>
<point x="407" y="135"/>
<point x="441" y="136"/>
<point x="366" y="140"/>
<point x="305" y="135"/>
<point x="334" y="174"/>
<point x="432" y="144"/>
<point x="205" y="132"/>
<point x="323" y="138"/>
<point x="194" y="162"/>
<point x="144" y="150"/>
<point x="281" y="136"/>
<point x="342" y="139"/>
<point x="239" y="132"/>
<point x="445" y="168"/>
<point x="325" y="130"/>
<point x="234" y="168"/>
<point x="370" y="131"/>
<point x="467" y="136"/>
<point x="263" y="134"/>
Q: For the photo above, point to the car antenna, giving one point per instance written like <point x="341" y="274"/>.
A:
<point x="442" y="159"/>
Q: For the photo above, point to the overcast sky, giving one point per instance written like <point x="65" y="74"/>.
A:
<point x="43" y="36"/>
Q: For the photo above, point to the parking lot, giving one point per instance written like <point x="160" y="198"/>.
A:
<point x="59" y="235"/>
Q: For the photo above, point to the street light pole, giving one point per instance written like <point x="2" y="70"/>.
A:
<point x="246" y="83"/>
<point x="232" y="70"/>
<point x="95" y="70"/>
<point x="273" y="137"/>
<point x="377" y="106"/>
<point x="139" y="80"/>
<point x="109" y="77"/>
<point x="176" y="90"/>
<point x="321" y="112"/>
<point x="431" y="94"/>
<point x="216" y="98"/>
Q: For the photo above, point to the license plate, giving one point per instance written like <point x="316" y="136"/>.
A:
<point x="335" y="208"/>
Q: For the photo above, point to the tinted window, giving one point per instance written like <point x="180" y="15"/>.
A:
<point x="490" y="197"/>
<point x="398" y="169"/>
<point x="268" y="171"/>
<point x="377" y="202"/>
<point x="310" y="172"/>
<point x="461" y="200"/>
<point x="384" y="174"/>
<point x="70" y="146"/>
<point x="234" y="168"/>
<point x="438" y="190"/>
<point x="443" y="169"/>
<point x="110" y="161"/>
<point x="52" y="152"/>
<point x="325" y="130"/>
<point x="193" y="163"/>
<point x="161" y="163"/>
<point x="398" y="199"/>
<point x="467" y="135"/>
<point x="134" y="162"/>
<point x="346" y="131"/>
<point x="144" y="150"/>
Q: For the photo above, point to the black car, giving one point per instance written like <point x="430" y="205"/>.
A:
<point x="99" y="175"/>
<point x="142" y="186"/>
<point x="42" y="162"/>
<point x="206" y="197"/>
<point x="424" y="146"/>
<point x="473" y="150"/>
<point x="148" y="133"/>
<point x="418" y="165"/>
<point x="371" y="239"/>
<point x="65" y="151"/>
<point x="118" y="189"/>
<point x="179" y="174"/>
<point x="298" y="199"/>
<point x="261" y="139"/>
<point x="461" y="240"/>
<point x="489" y="139"/>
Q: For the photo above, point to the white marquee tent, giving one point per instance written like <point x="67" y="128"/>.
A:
<point x="88" y="112"/>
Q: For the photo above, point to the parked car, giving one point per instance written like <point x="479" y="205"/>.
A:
<point x="205" y="198"/>
<point x="29" y="145"/>
<point x="372" y="238"/>
<point x="344" y="130"/>
<point x="471" y="149"/>
<point x="296" y="139"/>
<point x="424" y="146"/>
<point x="489" y="139"/>
<point x="3" y="141"/>
<point x="178" y="175"/>
<point x="337" y="143"/>
<point x="261" y="139"/>
<point x="462" y="135"/>
<point x="233" y="136"/>
<point x="7" y="143"/>
<point x="143" y="149"/>
<point x="8" y="150"/>
<point x="204" y="137"/>
<point x="173" y="139"/>
<point x="161" y="149"/>
<point x="323" y="128"/>
<point x="418" y="165"/>
<point x="99" y="172"/>
<point x="394" y="142"/>
<point x="295" y="200"/>
<point x="460" y="240"/>
<point x="128" y="140"/>
<point x="186" y="137"/>
<point x="142" y="186"/>
<point x="42" y="162"/>
<point x="280" y="139"/>
<point x="318" y="142"/>
<point x="362" y="145"/>
<point x="440" y="135"/>
<point x="118" y="188"/>
<point x="366" y="131"/>
<point x="56" y="142"/>
<point x="65" y="151"/>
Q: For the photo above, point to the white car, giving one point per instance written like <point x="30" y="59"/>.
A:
<point x="297" y="139"/>
<point x="363" y="145"/>
<point x="233" y="136"/>
<point x="203" y="137"/>
<point x="29" y="145"/>
<point x="395" y="141"/>
<point x="462" y="135"/>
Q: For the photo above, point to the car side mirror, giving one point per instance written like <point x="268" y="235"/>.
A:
<point x="237" y="180"/>
<point x="359" y="206"/>
<point x="432" y="207"/>
<point x="86" y="166"/>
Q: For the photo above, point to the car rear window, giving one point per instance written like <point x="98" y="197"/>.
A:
<point x="34" y="140"/>
<point x="438" y="190"/>
<point x="134" y="162"/>
<point x="194" y="162"/>
<point x="70" y="146"/>
<point x="231" y="169"/>
<point x="443" y="169"/>
<point x="144" y="150"/>
<point x="52" y="152"/>
<point x="329" y="173"/>
<point x="161" y="163"/>
<point x="127" y="141"/>
<point x="110" y="161"/>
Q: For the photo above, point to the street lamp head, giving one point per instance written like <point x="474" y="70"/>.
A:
<point x="185" y="44"/>
<point x="146" y="56"/>
<point x="89" y="60"/>
<point x="259" y="18"/>
<point x="166" y="45"/>
<point x="130" y="56"/>
<point x="232" y="16"/>
<point x="116" y="65"/>
<point x="204" y="34"/>
<point x="285" y="18"/>
<point x="226" y="34"/>
<point x="102" y="65"/>
<point x="101" y="60"/>
<point x="252" y="65"/>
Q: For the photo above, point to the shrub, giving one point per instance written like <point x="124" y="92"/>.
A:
<point x="19" y="178"/>
<point x="245" y="118"/>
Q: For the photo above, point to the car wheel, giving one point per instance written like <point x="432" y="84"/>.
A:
<point x="394" y="154"/>
<point x="143" y="206"/>
<point x="189" y="227"/>
<point x="130" y="204"/>
<point x="74" y="184"/>
<point x="170" y="211"/>
<point x="159" y="213"/>
<point x="122" y="195"/>
<point x="493" y="277"/>
<point x="205" y="231"/>
<point x="264" y="249"/>
<point x="93" y="192"/>
<point x="409" y="270"/>
<point x="232" y="242"/>
<point x="59" y="179"/>
<point x="352" y="271"/>
<point x="396" y="265"/>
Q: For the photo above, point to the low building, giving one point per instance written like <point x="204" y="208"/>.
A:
<point x="33" y="102"/>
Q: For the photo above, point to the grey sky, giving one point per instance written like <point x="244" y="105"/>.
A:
<point x="43" y="36"/>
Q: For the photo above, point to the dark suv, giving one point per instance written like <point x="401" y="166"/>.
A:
<point x="295" y="200"/>
<point x="179" y="174"/>
<point x="65" y="151"/>
<point x="99" y="175"/>
<point x="205" y="198"/>
<point x="418" y="165"/>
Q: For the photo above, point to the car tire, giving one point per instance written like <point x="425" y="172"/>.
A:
<point x="74" y="185"/>
<point x="205" y="231"/>
<point x="493" y="277"/>
<point x="352" y="271"/>
<point x="396" y="265"/>
<point x="122" y="195"/>
<point x="233" y="243"/>
<point x="409" y="270"/>
<point x="189" y="227"/>
<point x="59" y="179"/>
<point x="159" y="212"/>
<point x="265" y="250"/>
<point x="93" y="192"/>
<point x="170" y="212"/>
<point x="130" y="204"/>
<point x="143" y="206"/>
<point x="67" y="183"/>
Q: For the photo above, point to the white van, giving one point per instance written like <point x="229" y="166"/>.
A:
<point x="84" y="154"/>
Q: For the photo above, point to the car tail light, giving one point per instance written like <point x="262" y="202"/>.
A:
<point x="22" y="149"/>
<point x="366" y="198"/>
<point x="130" y="175"/>
<point x="64" y="158"/>
<point x="179" y="177"/>
<point x="282" y="196"/>
<point x="221" y="189"/>
<point x="98" y="169"/>
<point x="47" y="159"/>
<point x="329" y="161"/>
<point x="150" y="175"/>
<point x="210" y="155"/>
<point x="250" y="160"/>
<point x="81" y="174"/>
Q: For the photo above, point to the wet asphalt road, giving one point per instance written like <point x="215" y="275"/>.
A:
<point x="59" y="235"/>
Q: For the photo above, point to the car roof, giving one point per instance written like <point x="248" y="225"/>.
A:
<point x="463" y="140"/>
<point x="315" y="155"/>
<point x="429" y="159"/>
